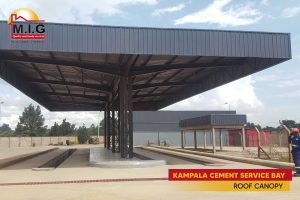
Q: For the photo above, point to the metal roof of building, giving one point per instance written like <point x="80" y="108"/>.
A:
<point x="77" y="67"/>
<point x="214" y="120"/>
<point x="167" y="120"/>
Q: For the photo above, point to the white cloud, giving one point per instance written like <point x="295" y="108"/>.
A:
<point x="287" y="83"/>
<point x="216" y="13"/>
<point x="289" y="94"/>
<point x="15" y="101"/>
<point x="159" y="12"/>
<point x="70" y="11"/>
<point x="264" y="2"/>
<point x="291" y="12"/>
<point x="239" y="94"/>
<point x="266" y="78"/>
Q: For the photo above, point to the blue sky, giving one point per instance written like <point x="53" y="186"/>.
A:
<point x="266" y="97"/>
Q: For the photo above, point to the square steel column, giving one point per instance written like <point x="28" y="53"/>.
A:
<point x="204" y="139"/>
<point x="195" y="139"/>
<point x="182" y="146"/>
<point x="221" y="142"/>
<point x="108" y="129"/>
<point x="122" y="130"/>
<point x="113" y="132"/>
<point x="118" y="133"/>
<point x="126" y="130"/>
<point x="214" y="139"/>
<point x="130" y="119"/>
<point x="104" y="128"/>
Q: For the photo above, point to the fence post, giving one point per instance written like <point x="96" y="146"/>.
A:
<point x="289" y="146"/>
<point x="258" y="142"/>
<point x="244" y="138"/>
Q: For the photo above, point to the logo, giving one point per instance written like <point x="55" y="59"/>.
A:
<point x="31" y="28"/>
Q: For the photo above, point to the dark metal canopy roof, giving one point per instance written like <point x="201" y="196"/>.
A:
<point x="77" y="67"/>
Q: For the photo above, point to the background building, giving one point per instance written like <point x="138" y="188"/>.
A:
<point x="152" y="126"/>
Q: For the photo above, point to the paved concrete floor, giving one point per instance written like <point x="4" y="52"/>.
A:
<point x="75" y="168"/>
<point x="170" y="160"/>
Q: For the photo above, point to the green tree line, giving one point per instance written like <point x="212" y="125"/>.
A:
<point x="31" y="123"/>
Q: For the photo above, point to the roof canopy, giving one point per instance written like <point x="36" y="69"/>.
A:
<point x="213" y="121"/>
<point x="77" y="67"/>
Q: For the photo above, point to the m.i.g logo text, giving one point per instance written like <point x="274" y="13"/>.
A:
<point x="26" y="25"/>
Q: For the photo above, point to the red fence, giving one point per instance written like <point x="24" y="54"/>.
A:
<point x="235" y="138"/>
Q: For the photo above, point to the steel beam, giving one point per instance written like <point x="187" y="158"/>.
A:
<point x="218" y="78"/>
<point x="93" y="97"/>
<point x="160" y="68"/>
<point x="96" y="105"/>
<point x="11" y="76"/>
<point x="102" y="88"/>
<point x="112" y="69"/>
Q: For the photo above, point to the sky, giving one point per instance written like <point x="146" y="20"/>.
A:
<point x="266" y="97"/>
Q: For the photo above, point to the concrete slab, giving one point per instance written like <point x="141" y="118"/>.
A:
<point x="169" y="160"/>
<point x="151" y="190"/>
<point x="101" y="157"/>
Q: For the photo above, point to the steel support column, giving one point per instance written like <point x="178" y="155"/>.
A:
<point x="214" y="139"/>
<point x="104" y="128"/>
<point x="130" y="118"/>
<point x="119" y="135"/>
<point x="108" y="129"/>
<point x="126" y="130"/>
<point x="195" y="139"/>
<point x="204" y="139"/>
<point x="182" y="146"/>
<point x="113" y="131"/>
<point x="123" y="145"/>
<point x="221" y="142"/>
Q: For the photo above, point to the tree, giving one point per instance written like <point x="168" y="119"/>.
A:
<point x="54" y="130"/>
<point x="5" y="128"/>
<point x="93" y="130"/>
<point x="83" y="135"/>
<point x="31" y="121"/>
<point x="289" y="123"/>
<point x="252" y="126"/>
<point x="66" y="128"/>
<point x="270" y="128"/>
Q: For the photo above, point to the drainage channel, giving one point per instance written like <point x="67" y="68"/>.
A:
<point x="55" y="162"/>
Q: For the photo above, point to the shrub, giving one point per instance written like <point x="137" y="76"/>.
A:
<point x="83" y="135"/>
